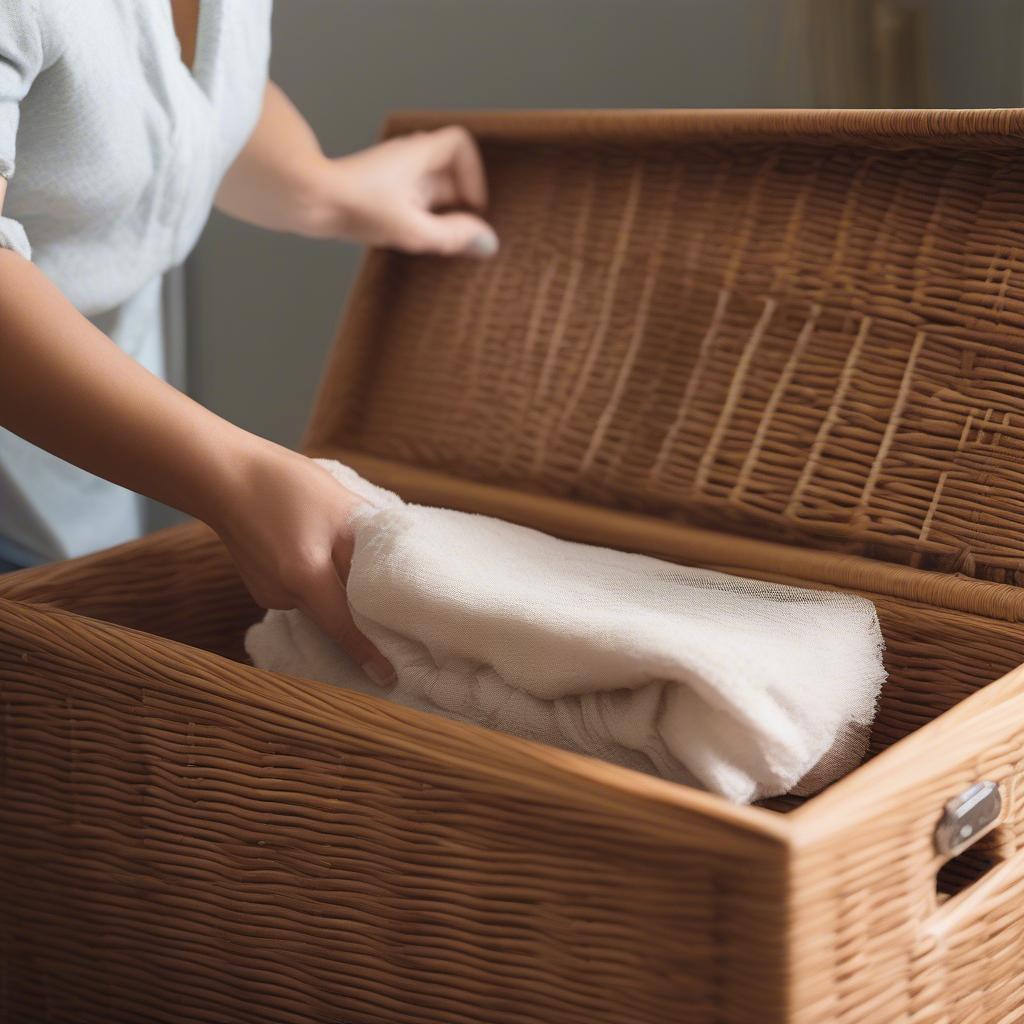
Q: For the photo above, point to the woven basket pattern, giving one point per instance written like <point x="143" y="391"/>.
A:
<point x="187" y="837"/>
<point x="789" y="338"/>
<point x="802" y="326"/>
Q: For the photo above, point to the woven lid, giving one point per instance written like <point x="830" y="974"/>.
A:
<point x="799" y="325"/>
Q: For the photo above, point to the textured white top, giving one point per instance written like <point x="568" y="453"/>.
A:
<point x="114" y="150"/>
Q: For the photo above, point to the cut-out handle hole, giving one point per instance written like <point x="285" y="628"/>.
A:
<point x="962" y="871"/>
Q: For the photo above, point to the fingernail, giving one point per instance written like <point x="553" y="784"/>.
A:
<point x="382" y="674"/>
<point x="484" y="245"/>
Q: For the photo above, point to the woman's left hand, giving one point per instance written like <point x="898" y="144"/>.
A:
<point x="402" y="193"/>
<point x="423" y="192"/>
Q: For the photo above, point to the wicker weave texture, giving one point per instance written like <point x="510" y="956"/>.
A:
<point x="189" y="838"/>
<point x="800" y="325"/>
<point x="185" y="838"/>
<point x="819" y="342"/>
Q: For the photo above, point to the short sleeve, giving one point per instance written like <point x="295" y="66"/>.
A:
<point x="21" y="59"/>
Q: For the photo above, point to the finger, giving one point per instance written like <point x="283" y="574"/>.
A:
<point x="440" y="191"/>
<point x="450" y="234"/>
<point x="375" y="665"/>
<point x="456" y="152"/>
<point x="326" y="604"/>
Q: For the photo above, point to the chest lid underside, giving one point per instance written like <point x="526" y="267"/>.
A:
<point x="800" y="325"/>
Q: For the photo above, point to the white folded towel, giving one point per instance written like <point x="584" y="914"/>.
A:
<point x="745" y="688"/>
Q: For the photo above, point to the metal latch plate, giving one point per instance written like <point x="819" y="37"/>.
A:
<point x="967" y="816"/>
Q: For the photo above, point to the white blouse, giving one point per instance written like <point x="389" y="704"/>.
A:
<point x="113" y="150"/>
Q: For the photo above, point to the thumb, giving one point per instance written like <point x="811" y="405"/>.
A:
<point x="453" y="234"/>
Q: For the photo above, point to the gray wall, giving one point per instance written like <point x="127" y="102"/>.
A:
<point x="262" y="308"/>
<point x="978" y="51"/>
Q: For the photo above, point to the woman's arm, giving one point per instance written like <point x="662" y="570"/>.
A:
<point x="385" y="195"/>
<point x="66" y="387"/>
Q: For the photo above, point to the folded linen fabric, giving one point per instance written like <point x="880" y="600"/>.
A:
<point x="745" y="688"/>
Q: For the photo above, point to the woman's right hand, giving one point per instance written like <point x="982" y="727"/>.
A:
<point x="287" y="524"/>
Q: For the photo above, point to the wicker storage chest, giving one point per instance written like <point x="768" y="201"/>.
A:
<point x="784" y="344"/>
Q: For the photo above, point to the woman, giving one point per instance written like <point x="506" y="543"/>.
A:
<point x="127" y="120"/>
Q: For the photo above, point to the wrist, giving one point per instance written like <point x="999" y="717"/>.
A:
<point x="323" y="201"/>
<point x="225" y="475"/>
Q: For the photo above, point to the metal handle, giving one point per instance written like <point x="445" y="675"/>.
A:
<point x="967" y="817"/>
